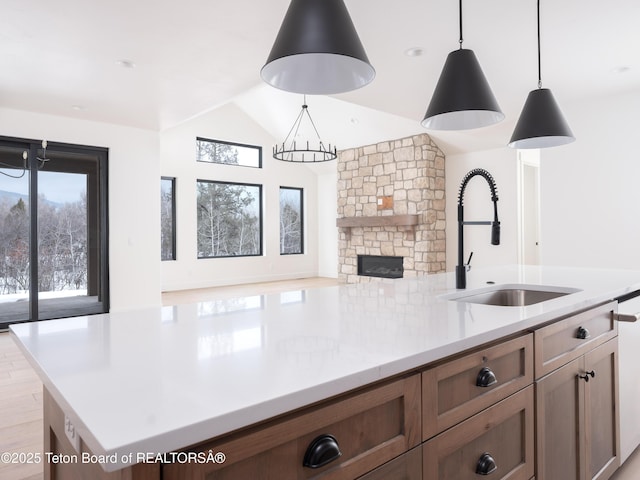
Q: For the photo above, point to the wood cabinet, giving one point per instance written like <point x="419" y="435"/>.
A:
<point x="464" y="386"/>
<point x="407" y="466"/>
<point x="498" y="441"/>
<point x="577" y="403"/>
<point x="569" y="338"/>
<point x="370" y="428"/>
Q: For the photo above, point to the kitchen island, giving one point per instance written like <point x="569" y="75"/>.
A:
<point x="131" y="386"/>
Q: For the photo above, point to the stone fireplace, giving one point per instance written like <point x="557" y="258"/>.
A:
<point x="391" y="202"/>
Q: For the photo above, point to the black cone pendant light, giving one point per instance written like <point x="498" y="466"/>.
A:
<point x="317" y="51"/>
<point x="541" y="123"/>
<point x="463" y="98"/>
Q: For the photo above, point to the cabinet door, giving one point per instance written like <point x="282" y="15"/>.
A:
<point x="577" y="418"/>
<point x="454" y="390"/>
<point x="406" y="467"/>
<point x="369" y="427"/>
<point x="559" y="424"/>
<point x="601" y="420"/>
<point x="559" y="343"/>
<point x="498" y="441"/>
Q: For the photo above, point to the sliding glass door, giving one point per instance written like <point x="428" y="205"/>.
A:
<point x="14" y="236"/>
<point x="53" y="231"/>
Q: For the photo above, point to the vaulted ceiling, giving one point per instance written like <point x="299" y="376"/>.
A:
<point x="155" y="64"/>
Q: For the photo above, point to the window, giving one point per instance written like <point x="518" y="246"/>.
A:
<point x="290" y="220"/>
<point x="216" y="151"/>
<point x="229" y="219"/>
<point x="168" y="218"/>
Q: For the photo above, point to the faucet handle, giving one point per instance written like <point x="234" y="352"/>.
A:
<point x="467" y="266"/>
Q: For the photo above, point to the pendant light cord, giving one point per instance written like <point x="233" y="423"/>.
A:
<point x="460" y="13"/>
<point x="539" y="61"/>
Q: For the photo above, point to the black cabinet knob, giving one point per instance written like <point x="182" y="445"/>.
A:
<point x="486" y="465"/>
<point x="583" y="333"/>
<point x="486" y="377"/>
<point x="585" y="377"/>
<point x="321" y="451"/>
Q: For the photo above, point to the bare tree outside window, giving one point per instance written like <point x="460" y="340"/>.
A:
<point x="168" y="218"/>
<point x="228" y="153"/>
<point x="62" y="245"/>
<point x="291" y="227"/>
<point x="229" y="219"/>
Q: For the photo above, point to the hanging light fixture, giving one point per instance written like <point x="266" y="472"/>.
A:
<point x="317" y="51"/>
<point x="463" y="98"/>
<point x="541" y="123"/>
<point x="302" y="150"/>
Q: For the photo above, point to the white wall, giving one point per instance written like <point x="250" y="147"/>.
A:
<point x="328" y="233"/>
<point x="134" y="202"/>
<point x="178" y="158"/>
<point x="590" y="195"/>
<point x="502" y="165"/>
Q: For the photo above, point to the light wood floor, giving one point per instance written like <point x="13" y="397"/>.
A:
<point x="21" y="390"/>
<point x="21" y="428"/>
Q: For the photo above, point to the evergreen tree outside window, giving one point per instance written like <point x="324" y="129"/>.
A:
<point x="291" y="221"/>
<point x="229" y="219"/>
<point x="168" y="218"/>
<point x="228" y="153"/>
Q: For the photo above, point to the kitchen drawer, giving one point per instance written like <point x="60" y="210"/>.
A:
<point x="371" y="427"/>
<point x="407" y="466"/>
<point x="450" y="391"/>
<point x="505" y="432"/>
<point x="561" y="342"/>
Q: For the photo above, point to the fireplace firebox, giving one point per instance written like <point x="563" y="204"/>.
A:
<point x="380" y="266"/>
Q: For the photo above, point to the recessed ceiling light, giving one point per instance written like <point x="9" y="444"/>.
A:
<point x="414" y="52"/>
<point x="354" y="120"/>
<point x="621" y="69"/>
<point x="126" y="63"/>
<point x="79" y="108"/>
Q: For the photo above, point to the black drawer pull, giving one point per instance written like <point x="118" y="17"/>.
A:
<point x="585" y="377"/>
<point x="583" y="333"/>
<point x="486" y="377"/>
<point x="323" y="450"/>
<point x="486" y="465"/>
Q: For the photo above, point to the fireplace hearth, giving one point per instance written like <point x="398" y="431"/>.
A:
<point x="380" y="266"/>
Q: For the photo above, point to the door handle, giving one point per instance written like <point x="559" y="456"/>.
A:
<point x="585" y="377"/>
<point x="486" y="377"/>
<point x="322" y="450"/>
<point x="626" y="317"/>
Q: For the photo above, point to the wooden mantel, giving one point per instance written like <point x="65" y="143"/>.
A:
<point x="403" y="222"/>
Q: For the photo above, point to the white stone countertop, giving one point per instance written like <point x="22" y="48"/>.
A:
<point x="158" y="380"/>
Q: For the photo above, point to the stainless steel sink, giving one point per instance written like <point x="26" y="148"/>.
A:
<point x="514" y="296"/>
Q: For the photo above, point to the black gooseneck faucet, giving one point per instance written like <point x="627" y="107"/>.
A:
<point x="461" y="268"/>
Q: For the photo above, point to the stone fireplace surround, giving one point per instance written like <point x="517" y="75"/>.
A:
<point x="402" y="181"/>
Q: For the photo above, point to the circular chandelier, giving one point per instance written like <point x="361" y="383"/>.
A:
<point x="293" y="149"/>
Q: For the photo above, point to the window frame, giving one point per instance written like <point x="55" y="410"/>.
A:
<point x="233" y="144"/>
<point x="260" y="218"/>
<point x="302" y="223"/>
<point x="173" y="221"/>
